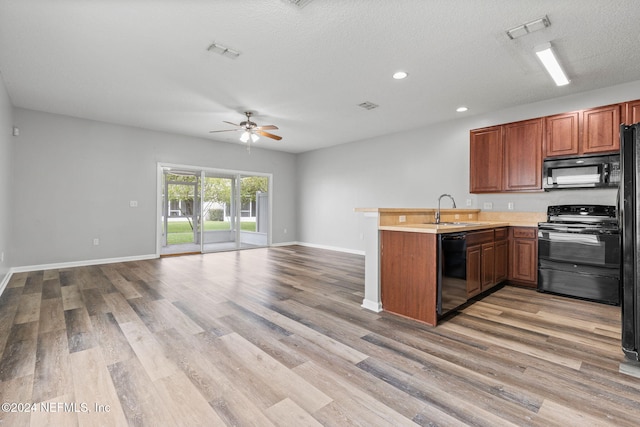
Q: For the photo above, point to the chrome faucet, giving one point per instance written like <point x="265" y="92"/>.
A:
<point x="440" y="198"/>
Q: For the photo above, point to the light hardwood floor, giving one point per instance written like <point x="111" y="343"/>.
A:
<point x="276" y="336"/>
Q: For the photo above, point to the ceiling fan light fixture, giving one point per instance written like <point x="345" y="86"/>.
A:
<point x="254" y="137"/>
<point x="548" y="58"/>
<point x="245" y="136"/>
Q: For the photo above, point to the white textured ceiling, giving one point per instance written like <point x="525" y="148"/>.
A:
<point x="145" y="62"/>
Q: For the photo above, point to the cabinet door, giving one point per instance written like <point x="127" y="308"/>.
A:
<point x="486" y="156"/>
<point x="523" y="155"/>
<point x="474" y="270"/>
<point x="601" y="129"/>
<point x="525" y="261"/>
<point x="502" y="260"/>
<point x="632" y="112"/>
<point x="561" y="135"/>
<point x="488" y="266"/>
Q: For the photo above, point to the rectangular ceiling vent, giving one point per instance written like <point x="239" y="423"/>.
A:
<point x="528" y="27"/>
<point x="223" y="50"/>
<point x="300" y="3"/>
<point x="368" y="105"/>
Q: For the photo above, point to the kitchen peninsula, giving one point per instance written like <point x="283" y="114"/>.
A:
<point x="402" y="253"/>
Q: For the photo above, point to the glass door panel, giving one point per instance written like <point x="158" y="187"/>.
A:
<point x="218" y="210"/>
<point x="181" y="212"/>
<point x="254" y="211"/>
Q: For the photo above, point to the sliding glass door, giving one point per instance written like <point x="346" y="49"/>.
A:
<point x="208" y="210"/>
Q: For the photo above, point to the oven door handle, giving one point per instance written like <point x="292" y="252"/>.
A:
<point x="575" y="230"/>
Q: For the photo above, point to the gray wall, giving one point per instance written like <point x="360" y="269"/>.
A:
<point x="74" y="178"/>
<point x="411" y="169"/>
<point x="6" y="153"/>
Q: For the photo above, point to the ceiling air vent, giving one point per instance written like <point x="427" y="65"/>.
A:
<point x="223" y="50"/>
<point x="300" y="3"/>
<point x="368" y="105"/>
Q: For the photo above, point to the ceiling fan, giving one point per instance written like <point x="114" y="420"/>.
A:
<point x="250" y="130"/>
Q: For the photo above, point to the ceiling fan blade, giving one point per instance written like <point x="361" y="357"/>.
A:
<point x="233" y="124"/>
<point x="226" y="130"/>
<point x="268" y="135"/>
<point x="267" y="127"/>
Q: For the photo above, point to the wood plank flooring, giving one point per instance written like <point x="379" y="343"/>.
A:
<point x="276" y="337"/>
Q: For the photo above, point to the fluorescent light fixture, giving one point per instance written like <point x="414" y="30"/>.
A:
<point x="462" y="109"/>
<point x="400" y="75"/>
<point x="548" y="58"/>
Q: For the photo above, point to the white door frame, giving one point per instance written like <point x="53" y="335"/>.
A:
<point x="203" y="170"/>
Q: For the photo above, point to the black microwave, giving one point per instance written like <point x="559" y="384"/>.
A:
<point x="581" y="172"/>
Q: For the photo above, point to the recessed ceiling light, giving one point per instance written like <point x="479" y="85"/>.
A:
<point x="400" y="75"/>
<point x="462" y="109"/>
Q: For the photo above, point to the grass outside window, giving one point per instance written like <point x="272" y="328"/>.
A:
<point x="181" y="232"/>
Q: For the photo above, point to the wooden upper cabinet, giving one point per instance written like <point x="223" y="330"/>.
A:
<point x="631" y="112"/>
<point x="562" y="132"/>
<point x="486" y="158"/>
<point x="592" y="131"/>
<point x="523" y="155"/>
<point x="601" y="130"/>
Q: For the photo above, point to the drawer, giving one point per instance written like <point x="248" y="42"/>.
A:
<point x="476" y="237"/>
<point x="501" y="233"/>
<point x="525" y="233"/>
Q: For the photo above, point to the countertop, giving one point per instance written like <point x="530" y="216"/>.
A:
<point x="421" y="220"/>
<point x="445" y="228"/>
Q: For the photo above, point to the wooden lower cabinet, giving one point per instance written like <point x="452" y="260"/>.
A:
<point x="501" y="260"/>
<point x="488" y="265"/>
<point x="523" y="256"/>
<point x="474" y="270"/>
<point x="409" y="274"/>
<point x="487" y="260"/>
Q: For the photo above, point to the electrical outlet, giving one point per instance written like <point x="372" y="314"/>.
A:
<point x="510" y="206"/>
<point x="487" y="205"/>
<point x="96" y="241"/>
<point x="402" y="218"/>
<point x="1" y="256"/>
<point x="133" y="204"/>
<point x="469" y="202"/>
<point x="285" y="231"/>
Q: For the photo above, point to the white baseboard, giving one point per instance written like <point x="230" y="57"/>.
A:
<point x="331" y="248"/>
<point x="5" y="281"/>
<point x="284" y="244"/>
<point x="85" y="263"/>
<point x="372" y="305"/>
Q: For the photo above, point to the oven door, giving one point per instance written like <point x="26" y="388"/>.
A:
<point x="581" y="245"/>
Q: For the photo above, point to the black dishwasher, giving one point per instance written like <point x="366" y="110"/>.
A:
<point x="452" y="272"/>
